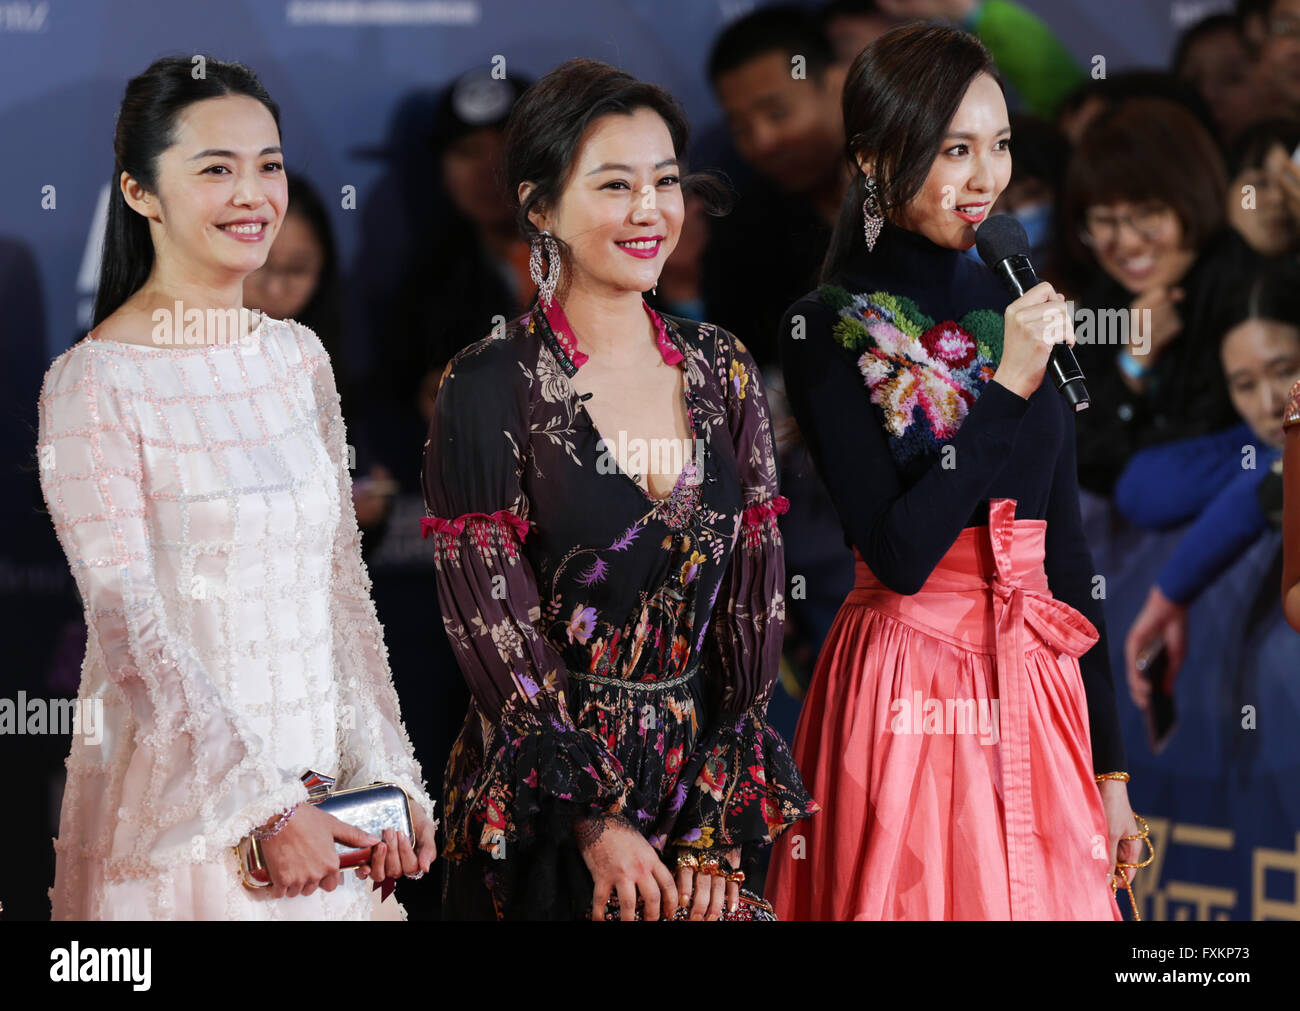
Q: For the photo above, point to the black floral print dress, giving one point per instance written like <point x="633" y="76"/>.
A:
<point x="620" y="649"/>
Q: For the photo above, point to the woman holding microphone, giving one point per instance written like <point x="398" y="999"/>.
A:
<point x="967" y="769"/>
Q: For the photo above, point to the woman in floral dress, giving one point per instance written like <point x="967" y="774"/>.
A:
<point x="620" y="634"/>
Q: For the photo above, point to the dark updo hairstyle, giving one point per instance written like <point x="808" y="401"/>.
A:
<point x="900" y="97"/>
<point x="145" y="128"/>
<point x="548" y="122"/>
<point x="1146" y="149"/>
<point x="1258" y="139"/>
<point x="1199" y="31"/>
<point x="1270" y="292"/>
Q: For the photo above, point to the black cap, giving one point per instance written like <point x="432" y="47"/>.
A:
<point x="475" y="99"/>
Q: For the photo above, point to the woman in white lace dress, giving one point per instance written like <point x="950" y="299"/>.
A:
<point x="198" y="482"/>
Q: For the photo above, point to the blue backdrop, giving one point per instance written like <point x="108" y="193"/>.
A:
<point x="339" y="71"/>
<point x="1224" y="802"/>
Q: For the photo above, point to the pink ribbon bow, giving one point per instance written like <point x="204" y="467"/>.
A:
<point x="1064" y="629"/>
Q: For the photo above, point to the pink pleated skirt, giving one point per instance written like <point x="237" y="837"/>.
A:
<point x="945" y="734"/>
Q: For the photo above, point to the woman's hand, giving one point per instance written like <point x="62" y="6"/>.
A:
<point x="710" y="890"/>
<point x="395" y="857"/>
<point x="1120" y="822"/>
<point x="1165" y="325"/>
<point x="1289" y="180"/>
<point x="302" y="857"/>
<point x="372" y="497"/>
<point x="1159" y="619"/>
<point x="620" y="860"/>
<point x="1032" y="325"/>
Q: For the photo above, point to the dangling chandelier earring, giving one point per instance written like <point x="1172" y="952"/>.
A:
<point x="872" y="218"/>
<point x="545" y="285"/>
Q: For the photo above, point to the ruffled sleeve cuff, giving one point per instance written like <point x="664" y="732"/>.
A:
<point x="502" y="530"/>
<point x="747" y="789"/>
<point x="192" y="841"/>
<point x="758" y="522"/>
<point x="533" y="759"/>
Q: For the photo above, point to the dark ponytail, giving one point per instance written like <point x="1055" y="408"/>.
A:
<point x="900" y="96"/>
<point x="145" y="128"/>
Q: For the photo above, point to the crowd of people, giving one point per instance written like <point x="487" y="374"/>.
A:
<point x="1170" y="192"/>
<point x="1163" y="203"/>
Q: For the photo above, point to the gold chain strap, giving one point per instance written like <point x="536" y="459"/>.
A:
<point x="1120" y="874"/>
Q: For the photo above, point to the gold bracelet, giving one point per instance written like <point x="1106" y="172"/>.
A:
<point x="1122" y="777"/>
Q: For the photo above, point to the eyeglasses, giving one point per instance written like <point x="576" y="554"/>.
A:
<point x="1102" y="229"/>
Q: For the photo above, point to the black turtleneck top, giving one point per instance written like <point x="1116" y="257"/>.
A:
<point x="902" y="517"/>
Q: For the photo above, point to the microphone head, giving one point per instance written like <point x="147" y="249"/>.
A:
<point x="998" y="237"/>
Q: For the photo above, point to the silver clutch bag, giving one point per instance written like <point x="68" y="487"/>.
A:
<point x="372" y="809"/>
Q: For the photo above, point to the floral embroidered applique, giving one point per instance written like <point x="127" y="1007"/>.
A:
<point x="923" y="376"/>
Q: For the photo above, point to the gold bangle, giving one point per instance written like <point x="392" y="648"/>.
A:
<point x="1122" y="777"/>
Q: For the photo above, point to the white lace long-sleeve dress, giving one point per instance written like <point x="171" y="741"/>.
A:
<point x="203" y="499"/>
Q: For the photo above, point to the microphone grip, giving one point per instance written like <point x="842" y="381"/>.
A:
<point x="1017" y="273"/>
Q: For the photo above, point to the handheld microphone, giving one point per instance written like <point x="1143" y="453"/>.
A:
<point x="1004" y="247"/>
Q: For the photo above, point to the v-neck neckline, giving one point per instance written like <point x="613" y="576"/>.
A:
<point x="559" y="350"/>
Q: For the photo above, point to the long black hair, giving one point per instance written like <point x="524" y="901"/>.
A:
<point x="145" y="128"/>
<point x="900" y="96"/>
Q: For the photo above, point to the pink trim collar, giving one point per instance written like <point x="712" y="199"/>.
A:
<point x="569" y="341"/>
